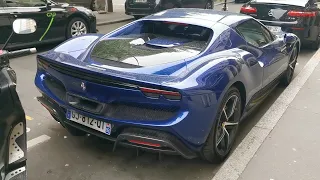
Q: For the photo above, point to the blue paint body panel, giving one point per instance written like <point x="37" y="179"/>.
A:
<point x="202" y="79"/>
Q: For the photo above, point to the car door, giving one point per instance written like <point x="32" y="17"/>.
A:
<point x="270" y="50"/>
<point x="45" y="18"/>
<point x="5" y="26"/>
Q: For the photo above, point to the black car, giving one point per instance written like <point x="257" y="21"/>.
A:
<point x="300" y="17"/>
<point x="56" y="22"/>
<point x="13" y="145"/>
<point x="140" y="8"/>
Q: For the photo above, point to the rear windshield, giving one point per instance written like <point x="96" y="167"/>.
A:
<point x="153" y="38"/>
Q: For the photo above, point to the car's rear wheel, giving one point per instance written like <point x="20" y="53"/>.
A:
<point x="76" y="27"/>
<point x="224" y="130"/>
<point x="209" y="5"/>
<point x="287" y="77"/>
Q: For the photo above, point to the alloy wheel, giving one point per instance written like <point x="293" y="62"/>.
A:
<point x="78" y="28"/>
<point x="227" y="125"/>
<point x="292" y="63"/>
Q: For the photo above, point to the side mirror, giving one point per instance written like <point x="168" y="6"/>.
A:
<point x="24" y="26"/>
<point x="289" y="38"/>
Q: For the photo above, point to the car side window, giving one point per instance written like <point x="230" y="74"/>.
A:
<point x="254" y="33"/>
<point x="25" y="3"/>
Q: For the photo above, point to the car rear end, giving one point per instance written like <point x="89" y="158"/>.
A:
<point x="141" y="7"/>
<point x="297" y="17"/>
<point x="127" y="94"/>
<point x="13" y="147"/>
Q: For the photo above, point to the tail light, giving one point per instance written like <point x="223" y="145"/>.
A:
<point x="248" y="10"/>
<point x="156" y="93"/>
<point x="301" y="14"/>
<point x="42" y="64"/>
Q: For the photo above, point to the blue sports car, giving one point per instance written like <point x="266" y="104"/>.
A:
<point x="177" y="82"/>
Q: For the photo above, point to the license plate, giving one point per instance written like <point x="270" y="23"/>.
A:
<point x="140" y="1"/>
<point x="274" y="29"/>
<point x="89" y="122"/>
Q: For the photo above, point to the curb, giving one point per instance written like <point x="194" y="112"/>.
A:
<point x="132" y="18"/>
<point x="236" y="164"/>
<point x="114" y="21"/>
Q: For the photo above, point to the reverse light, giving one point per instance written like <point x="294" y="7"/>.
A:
<point x="248" y="10"/>
<point x="145" y="143"/>
<point x="301" y="14"/>
<point x="156" y="93"/>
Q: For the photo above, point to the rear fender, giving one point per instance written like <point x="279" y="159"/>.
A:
<point x="208" y="80"/>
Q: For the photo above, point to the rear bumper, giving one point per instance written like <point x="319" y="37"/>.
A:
<point x="306" y="34"/>
<point x="165" y="142"/>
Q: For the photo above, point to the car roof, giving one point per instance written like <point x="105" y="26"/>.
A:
<point x="301" y="3"/>
<point x="201" y="17"/>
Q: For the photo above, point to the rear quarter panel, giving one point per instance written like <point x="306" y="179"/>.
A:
<point x="210" y="76"/>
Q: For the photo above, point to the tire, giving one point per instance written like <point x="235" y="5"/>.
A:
<point x="209" y="5"/>
<point x="211" y="151"/>
<point x="79" y="25"/>
<point x="288" y="74"/>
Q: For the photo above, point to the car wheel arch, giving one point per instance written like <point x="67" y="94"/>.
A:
<point x="77" y="15"/>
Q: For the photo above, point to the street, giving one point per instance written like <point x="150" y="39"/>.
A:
<point x="55" y="154"/>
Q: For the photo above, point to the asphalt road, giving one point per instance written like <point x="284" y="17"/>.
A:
<point x="55" y="154"/>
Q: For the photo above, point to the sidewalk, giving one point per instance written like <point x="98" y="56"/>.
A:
<point x="292" y="149"/>
<point x="119" y="16"/>
<point x="285" y="144"/>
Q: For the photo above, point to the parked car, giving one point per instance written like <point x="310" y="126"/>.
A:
<point x="140" y="8"/>
<point x="90" y="4"/>
<point x="179" y="81"/>
<point x="56" y="22"/>
<point x="300" y="17"/>
<point x="13" y="138"/>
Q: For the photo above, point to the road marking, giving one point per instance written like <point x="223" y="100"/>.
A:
<point x="29" y="118"/>
<point x="235" y="165"/>
<point x="38" y="140"/>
